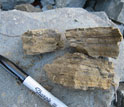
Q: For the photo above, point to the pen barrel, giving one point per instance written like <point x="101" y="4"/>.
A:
<point x="42" y="92"/>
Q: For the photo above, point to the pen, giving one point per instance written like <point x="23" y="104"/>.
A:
<point x="29" y="82"/>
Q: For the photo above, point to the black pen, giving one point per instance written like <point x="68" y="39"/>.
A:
<point x="29" y="82"/>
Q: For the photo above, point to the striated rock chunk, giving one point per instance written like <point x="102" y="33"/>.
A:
<point x="80" y="71"/>
<point x="98" y="41"/>
<point x="41" y="41"/>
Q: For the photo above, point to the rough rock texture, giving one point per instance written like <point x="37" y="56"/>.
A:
<point x="120" y="96"/>
<point x="27" y="7"/>
<point x="41" y="41"/>
<point x="121" y="27"/>
<point x="79" y="71"/>
<point x="99" y="41"/>
<point x="89" y="5"/>
<point x="70" y="3"/>
<point x="48" y="4"/>
<point x="16" y="23"/>
<point x="0" y="6"/>
<point x="104" y="16"/>
<point x="10" y="4"/>
<point x="113" y="8"/>
<point x="119" y="68"/>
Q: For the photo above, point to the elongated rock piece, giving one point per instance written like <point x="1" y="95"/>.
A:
<point x="80" y="71"/>
<point x="41" y="41"/>
<point x="99" y="41"/>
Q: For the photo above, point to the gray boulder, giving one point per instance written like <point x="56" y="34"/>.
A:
<point x="70" y="3"/>
<point x="9" y="4"/>
<point x="0" y="6"/>
<point x="103" y="16"/>
<point x="113" y="8"/>
<point x="48" y="4"/>
<point x="120" y="96"/>
<point x="15" y="23"/>
<point x="27" y="7"/>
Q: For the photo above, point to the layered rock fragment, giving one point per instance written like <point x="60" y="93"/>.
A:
<point x="80" y="71"/>
<point x="98" y="41"/>
<point x="41" y="41"/>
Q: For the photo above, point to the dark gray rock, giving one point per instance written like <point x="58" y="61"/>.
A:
<point x="89" y="5"/>
<point x="113" y="8"/>
<point x="16" y="22"/>
<point x="48" y="4"/>
<point x="0" y="6"/>
<point x="120" y="95"/>
<point x="70" y="3"/>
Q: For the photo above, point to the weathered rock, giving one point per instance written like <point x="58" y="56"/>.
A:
<point x="100" y="41"/>
<point x="16" y="23"/>
<point x="41" y="41"/>
<point x="70" y="3"/>
<point x="48" y="4"/>
<point x="120" y="96"/>
<point x="27" y="7"/>
<point x="104" y="16"/>
<point x="0" y="6"/>
<point x="113" y="8"/>
<point x="10" y="4"/>
<point x="80" y="71"/>
<point x="89" y="5"/>
<point x="119" y="68"/>
<point x="121" y="27"/>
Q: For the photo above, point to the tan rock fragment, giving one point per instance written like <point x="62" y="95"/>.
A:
<point x="80" y="71"/>
<point x="41" y="41"/>
<point x="99" y="41"/>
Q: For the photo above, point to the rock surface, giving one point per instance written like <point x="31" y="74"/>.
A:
<point x="41" y="41"/>
<point x="113" y="8"/>
<point x="16" y="23"/>
<point x="10" y="4"/>
<point x="99" y="41"/>
<point x="0" y="6"/>
<point x="48" y="4"/>
<point x="27" y="7"/>
<point x="80" y="71"/>
<point x="120" y="96"/>
<point x="70" y="3"/>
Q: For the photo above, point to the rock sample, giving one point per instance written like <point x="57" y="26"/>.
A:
<point x="113" y="8"/>
<point x="41" y="41"/>
<point x="16" y="23"/>
<point x="80" y="71"/>
<point x="70" y="3"/>
<point x="99" y="41"/>
<point x="27" y="7"/>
